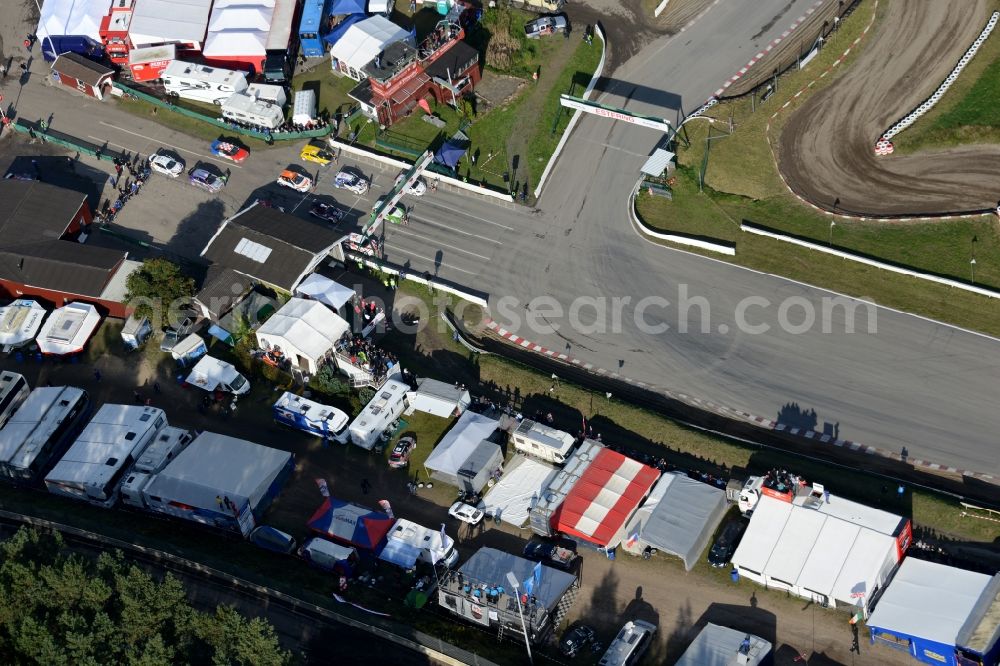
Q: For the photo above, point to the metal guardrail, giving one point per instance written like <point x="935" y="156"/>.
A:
<point x="84" y="147"/>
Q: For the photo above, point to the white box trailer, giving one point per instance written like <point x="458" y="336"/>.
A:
<point x="304" y="107"/>
<point x="243" y="108"/>
<point x="540" y="441"/>
<point x="266" y="92"/>
<point x="440" y="398"/>
<point x="201" y="83"/>
<point x="389" y="403"/>
<point x="94" y="466"/>
<point x="216" y="480"/>
<point x="212" y="374"/>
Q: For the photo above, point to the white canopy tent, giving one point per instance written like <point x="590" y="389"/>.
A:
<point x="240" y="17"/>
<point x="325" y="290"/>
<point x="513" y="497"/>
<point x="169" y="21"/>
<point x="222" y="43"/>
<point x="449" y="457"/>
<point x="71" y="17"/>
<point x="679" y="517"/>
<point x="305" y="332"/>
<point x="363" y="41"/>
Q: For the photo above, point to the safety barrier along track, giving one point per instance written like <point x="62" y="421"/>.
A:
<point x="884" y="144"/>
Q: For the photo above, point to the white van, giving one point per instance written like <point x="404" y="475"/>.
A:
<point x="212" y="374"/>
<point x="326" y="554"/>
<point x="629" y="645"/>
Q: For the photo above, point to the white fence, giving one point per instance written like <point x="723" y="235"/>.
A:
<point x="413" y="277"/>
<point x="729" y="250"/>
<point x="982" y="291"/>
<point x="929" y="103"/>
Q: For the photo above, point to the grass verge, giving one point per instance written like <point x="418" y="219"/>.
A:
<point x="966" y="114"/>
<point x="554" y="118"/>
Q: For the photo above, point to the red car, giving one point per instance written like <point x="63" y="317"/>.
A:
<point x="230" y="151"/>
<point x="400" y="456"/>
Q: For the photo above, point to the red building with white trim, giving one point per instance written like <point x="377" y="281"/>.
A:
<point x="443" y="68"/>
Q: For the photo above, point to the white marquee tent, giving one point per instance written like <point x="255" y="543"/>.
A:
<point x="305" y="331"/>
<point x="71" y="17"/>
<point x="449" y="461"/>
<point x="523" y="482"/>
<point x="363" y="41"/>
<point x="679" y="517"/>
<point x="325" y="290"/>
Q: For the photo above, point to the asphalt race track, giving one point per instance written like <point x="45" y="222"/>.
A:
<point x="826" y="150"/>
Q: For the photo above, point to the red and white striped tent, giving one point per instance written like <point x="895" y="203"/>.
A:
<point x="607" y="494"/>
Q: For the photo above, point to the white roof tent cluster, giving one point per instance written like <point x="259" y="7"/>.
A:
<point x="303" y="331"/>
<point x="363" y="41"/>
<point x="248" y="27"/>
<point x="834" y="552"/>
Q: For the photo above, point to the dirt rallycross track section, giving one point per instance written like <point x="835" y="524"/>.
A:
<point x="826" y="150"/>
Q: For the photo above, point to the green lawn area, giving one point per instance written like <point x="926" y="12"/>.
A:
<point x="331" y="89"/>
<point x="554" y="118"/>
<point x="186" y="124"/>
<point x="967" y="112"/>
<point x="942" y="247"/>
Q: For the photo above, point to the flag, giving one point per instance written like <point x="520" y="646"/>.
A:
<point x="444" y="536"/>
<point x="422" y="103"/>
<point x="386" y="507"/>
<point x="534" y="581"/>
<point x="324" y="489"/>
<point x="633" y="538"/>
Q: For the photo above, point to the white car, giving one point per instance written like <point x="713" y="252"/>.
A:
<point x="418" y="187"/>
<point x="466" y="513"/>
<point x="348" y="180"/>
<point x="295" y="181"/>
<point x="166" y="165"/>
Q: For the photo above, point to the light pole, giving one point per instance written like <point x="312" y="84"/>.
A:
<point x="832" y="225"/>
<point x="51" y="45"/>
<point x="512" y="580"/>
<point x="972" y="262"/>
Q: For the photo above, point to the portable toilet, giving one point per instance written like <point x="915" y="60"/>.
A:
<point x="136" y="331"/>
<point x="304" y="107"/>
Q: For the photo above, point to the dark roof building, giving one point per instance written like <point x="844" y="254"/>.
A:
<point x="80" y="73"/>
<point x="270" y="246"/>
<point x="40" y="225"/>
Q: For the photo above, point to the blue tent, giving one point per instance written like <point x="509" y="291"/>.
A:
<point x="351" y="524"/>
<point x="334" y="35"/>
<point x="339" y="7"/>
<point x="450" y="153"/>
<point x="401" y="554"/>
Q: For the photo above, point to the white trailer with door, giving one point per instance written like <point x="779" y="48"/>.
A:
<point x="389" y="403"/>
<point x="200" y="83"/>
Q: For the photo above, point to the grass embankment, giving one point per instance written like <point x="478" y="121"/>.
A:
<point x="966" y="114"/>
<point x="433" y="348"/>
<point x="742" y="182"/>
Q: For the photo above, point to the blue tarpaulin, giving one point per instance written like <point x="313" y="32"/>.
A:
<point x="450" y="153"/>
<point x="221" y="334"/>
<point x="401" y="554"/>
<point x="339" y="7"/>
<point x="334" y="35"/>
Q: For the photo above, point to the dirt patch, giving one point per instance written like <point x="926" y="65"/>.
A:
<point x="826" y="152"/>
<point x="498" y="89"/>
<point x="626" y="25"/>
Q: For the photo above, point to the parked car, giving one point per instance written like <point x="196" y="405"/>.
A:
<point x="725" y="544"/>
<point x="396" y="216"/>
<point x="417" y="188"/>
<point x="272" y="539"/>
<point x="327" y="212"/>
<point x="295" y="181"/>
<point x="169" y="341"/>
<point x="577" y="637"/>
<point x="465" y="513"/>
<point x="545" y="25"/>
<point x="318" y="152"/>
<point x="348" y="180"/>
<point x="400" y="454"/>
<point x="230" y="151"/>
<point x="205" y="180"/>
<point x="166" y="165"/>
<point x="559" y="553"/>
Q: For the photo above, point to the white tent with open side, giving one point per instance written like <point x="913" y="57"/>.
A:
<point x="518" y="490"/>
<point x="325" y="290"/>
<point x="459" y="459"/>
<point x="362" y="42"/>
<point x="71" y="17"/>
<point x="304" y="331"/>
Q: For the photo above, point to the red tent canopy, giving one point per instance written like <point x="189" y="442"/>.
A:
<point x="609" y="491"/>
